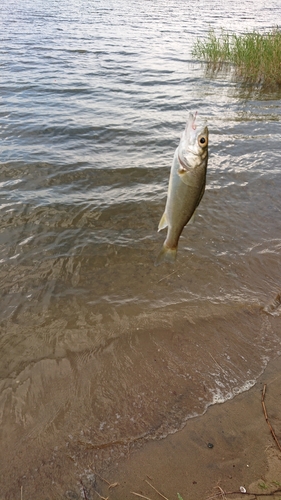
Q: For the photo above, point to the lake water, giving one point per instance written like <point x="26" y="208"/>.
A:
<point x="100" y="349"/>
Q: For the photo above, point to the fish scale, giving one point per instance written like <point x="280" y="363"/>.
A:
<point x="186" y="185"/>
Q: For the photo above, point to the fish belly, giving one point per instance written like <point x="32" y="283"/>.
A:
<point x="182" y="201"/>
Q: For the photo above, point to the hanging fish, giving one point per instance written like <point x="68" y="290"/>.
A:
<point x="186" y="185"/>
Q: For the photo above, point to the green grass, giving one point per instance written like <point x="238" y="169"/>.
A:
<point x="255" y="57"/>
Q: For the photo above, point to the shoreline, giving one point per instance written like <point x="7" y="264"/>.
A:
<point x="228" y="447"/>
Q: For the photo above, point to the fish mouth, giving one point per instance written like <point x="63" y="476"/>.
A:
<point x="193" y="120"/>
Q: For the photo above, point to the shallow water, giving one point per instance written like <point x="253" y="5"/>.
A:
<point x="98" y="346"/>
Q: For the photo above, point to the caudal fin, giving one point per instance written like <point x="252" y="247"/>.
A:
<point x="166" y="255"/>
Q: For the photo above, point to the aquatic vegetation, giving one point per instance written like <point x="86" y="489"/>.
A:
<point x="255" y="57"/>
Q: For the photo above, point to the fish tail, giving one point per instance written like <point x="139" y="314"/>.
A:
<point x="166" y="255"/>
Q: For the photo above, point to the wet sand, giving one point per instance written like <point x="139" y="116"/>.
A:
<point x="243" y="451"/>
<point x="229" y="446"/>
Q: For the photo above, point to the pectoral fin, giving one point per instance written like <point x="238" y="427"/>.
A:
<point x="163" y="222"/>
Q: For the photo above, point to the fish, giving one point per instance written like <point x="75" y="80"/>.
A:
<point x="186" y="185"/>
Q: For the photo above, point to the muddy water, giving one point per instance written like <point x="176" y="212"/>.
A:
<point x="101" y="350"/>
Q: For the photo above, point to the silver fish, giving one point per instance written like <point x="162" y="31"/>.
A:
<point x="186" y="185"/>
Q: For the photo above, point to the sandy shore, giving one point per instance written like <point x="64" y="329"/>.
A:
<point x="230" y="446"/>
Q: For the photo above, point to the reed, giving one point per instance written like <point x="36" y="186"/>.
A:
<point x="254" y="57"/>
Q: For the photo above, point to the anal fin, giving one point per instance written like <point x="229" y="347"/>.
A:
<point x="163" y="222"/>
<point x="192" y="219"/>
